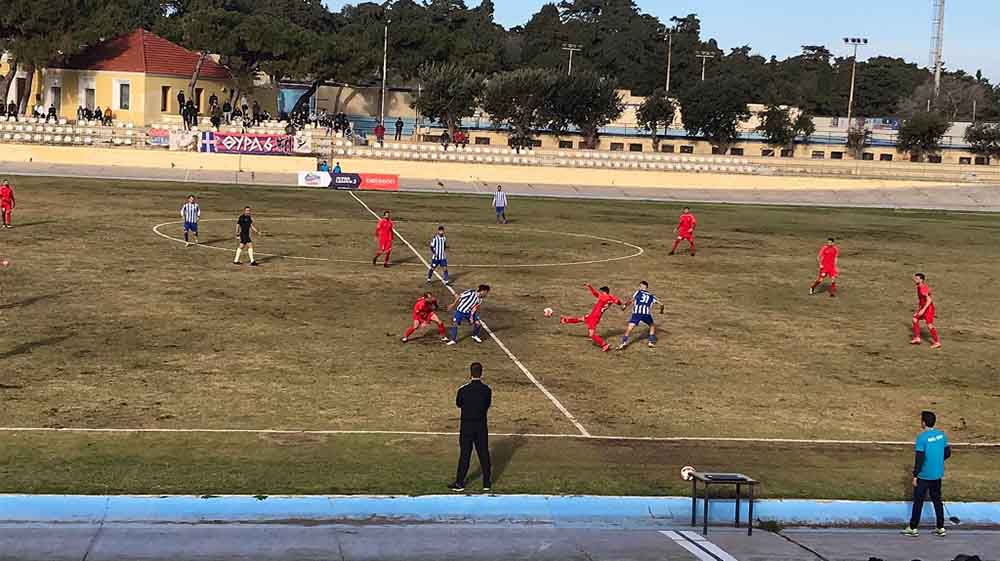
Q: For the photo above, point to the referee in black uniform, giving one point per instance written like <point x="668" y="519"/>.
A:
<point x="474" y="399"/>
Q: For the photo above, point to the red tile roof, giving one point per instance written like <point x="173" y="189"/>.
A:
<point x="143" y="51"/>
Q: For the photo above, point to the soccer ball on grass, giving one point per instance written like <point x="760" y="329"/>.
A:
<point x="547" y="312"/>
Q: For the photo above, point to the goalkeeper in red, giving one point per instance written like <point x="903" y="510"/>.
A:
<point x="424" y="314"/>
<point x="604" y="301"/>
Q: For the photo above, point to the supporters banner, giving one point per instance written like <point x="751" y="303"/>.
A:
<point x="365" y="181"/>
<point x="314" y="179"/>
<point x="303" y="144"/>
<point x="158" y="137"/>
<point x="238" y="143"/>
<point x="183" y="141"/>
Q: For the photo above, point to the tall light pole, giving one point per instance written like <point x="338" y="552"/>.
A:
<point x="385" y="66"/>
<point x="572" y="49"/>
<point x="704" y="56"/>
<point x="670" y="52"/>
<point x="854" y="42"/>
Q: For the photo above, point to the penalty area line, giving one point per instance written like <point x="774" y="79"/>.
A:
<point x="361" y="432"/>
<point x="517" y="362"/>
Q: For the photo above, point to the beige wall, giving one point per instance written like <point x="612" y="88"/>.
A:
<point x="154" y="159"/>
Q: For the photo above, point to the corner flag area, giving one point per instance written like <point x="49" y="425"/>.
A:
<point x="133" y="363"/>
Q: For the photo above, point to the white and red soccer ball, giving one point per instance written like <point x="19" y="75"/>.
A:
<point x="547" y="312"/>
<point x="687" y="473"/>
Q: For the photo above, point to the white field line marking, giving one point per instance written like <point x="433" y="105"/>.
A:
<point x="510" y="355"/>
<point x="698" y="552"/>
<point x="708" y="546"/>
<point x="700" y="439"/>
<point x="638" y="250"/>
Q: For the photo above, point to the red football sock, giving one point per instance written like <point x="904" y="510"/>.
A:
<point x="387" y="256"/>
<point x="916" y="330"/>
<point x="570" y="320"/>
<point x="691" y="244"/>
<point x="934" y="335"/>
<point x="597" y="339"/>
<point x="676" y="243"/>
<point x="440" y="329"/>
<point x="815" y="284"/>
<point x="833" y="288"/>
<point x="410" y="332"/>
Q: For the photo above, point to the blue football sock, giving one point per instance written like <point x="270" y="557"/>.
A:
<point x="475" y="329"/>
<point x="430" y="274"/>
<point x="446" y="275"/>
<point x="454" y="333"/>
<point x="185" y="236"/>
<point x="624" y="339"/>
<point x="652" y="338"/>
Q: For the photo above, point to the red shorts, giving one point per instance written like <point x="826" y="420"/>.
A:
<point x="7" y="207"/>
<point x="689" y="236"/>
<point x="384" y="245"/>
<point x="928" y="315"/>
<point x="592" y="321"/>
<point x="825" y="272"/>
<point x="426" y="320"/>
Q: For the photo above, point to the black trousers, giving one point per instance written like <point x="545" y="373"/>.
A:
<point x="919" y="492"/>
<point x="474" y="435"/>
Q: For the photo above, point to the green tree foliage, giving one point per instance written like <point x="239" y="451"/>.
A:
<point x="518" y="100"/>
<point x="450" y="93"/>
<point x="657" y="111"/>
<point x="585" y="100"/>
<point x="713" y="110"/>
<point x="984" y="139"/>
<point x="780" y="129"/>
<point x="921" y="134"/>
<point x="858" y="138"/>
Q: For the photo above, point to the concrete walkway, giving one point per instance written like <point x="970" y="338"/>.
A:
<point x="468" y="542"/>
<point x="915" y="195"/>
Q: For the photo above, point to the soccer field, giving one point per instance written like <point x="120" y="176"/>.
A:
<point x="108" y="322"/>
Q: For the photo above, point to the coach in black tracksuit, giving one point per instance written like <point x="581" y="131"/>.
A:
<point x="474" y="400"/>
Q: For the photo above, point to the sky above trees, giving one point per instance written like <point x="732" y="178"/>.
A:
<point x="897" y="28"/>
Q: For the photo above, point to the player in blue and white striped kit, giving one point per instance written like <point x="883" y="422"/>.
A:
<point x="500" y="204"/>
<point x="642" y="312"/>
<point x="190" y="212"/>
<point x="439" y="254"/>
<point x="466" y="306"/>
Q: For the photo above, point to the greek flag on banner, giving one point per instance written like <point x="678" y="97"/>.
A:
<point x="207" y="142"/>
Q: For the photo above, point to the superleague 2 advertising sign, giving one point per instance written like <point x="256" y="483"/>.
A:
<point x="350" y="181"/>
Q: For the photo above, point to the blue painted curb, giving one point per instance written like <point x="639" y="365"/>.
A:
<point x="624" y="512"/>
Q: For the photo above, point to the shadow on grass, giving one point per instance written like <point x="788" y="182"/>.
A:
<point x="502" y="451"/>
<point x="35" y="223"/>
<point x="29" y="301"/>
<point x="26" y="348"/>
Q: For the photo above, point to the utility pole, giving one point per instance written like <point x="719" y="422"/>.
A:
<point x="670" y="52"/>
<point x="937" y="44"/>
<point x="385" y="66"/>
<point x="854" y="42"/>
<point x="572" y="49"/>
<point x="704" y="56"/>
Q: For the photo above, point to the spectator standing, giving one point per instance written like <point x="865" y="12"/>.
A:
<point x="380" y="133"/>
<point x="324" y="166"/>
<point x="500" y="204"/>
<point x="474" y="400"/>
<point x="932" y="450"/>
<point x="227" y="112"/>
<point x="12" y="110"/>
<point x="336" y="168"/>
<point x="80" y="112"/>
<point x="256" y="113"/>
<point x="213" y="100"/>
<point x="445" y="140"/>
<point x="399" y="129"/>
<point x="216" y="116"/>
<point x="181" y="105"/>
<point x="3" y="111"/>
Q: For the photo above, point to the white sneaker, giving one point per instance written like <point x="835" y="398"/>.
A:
<point x="477" y="339"/>
<point x="450" y="342"/>
<point x="445" y="340"/>
<point x="404" y="339"/>
<point x="620" y="347"/>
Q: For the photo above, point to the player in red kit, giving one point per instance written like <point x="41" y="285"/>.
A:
<point x="827" y="267"/>
<point x="604" y="301"/>
<point x="384" y="233"/>
<point x="423" y="314"/>
<point x="6" y="202"/>
<point x="925" y="311"/>
<point x="685" y="230"/>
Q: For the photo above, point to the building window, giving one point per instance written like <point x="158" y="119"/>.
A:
<point x="122" y="95"/>
<point x="934" y="159"/>
<point x="717" y="151"/>
<point x="198" y="93"/>
<point x="818" y="155"/>
<point x="965" y="161"/>
<point x="482" y="140"/>
<point x="536" y="143"/>
<point x="767" y="152"/>
<point x="687" y="149"/>
<point x="164" y="99"/>
<point x="90" y="98"/>
<point x="787" y="153"/>
<point x="980" y="161"/>
<point x="635" y="147"/>
<point x="617" y="147"/>
<point x="885" y="157"/>
<point x="868" y="156"/>
<point x="735" y="151"/>
<point x="565" y="144"/>
<point x="667" y="148"/>
<point x="836" y="155"/>
<point x="55" y="94"/>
